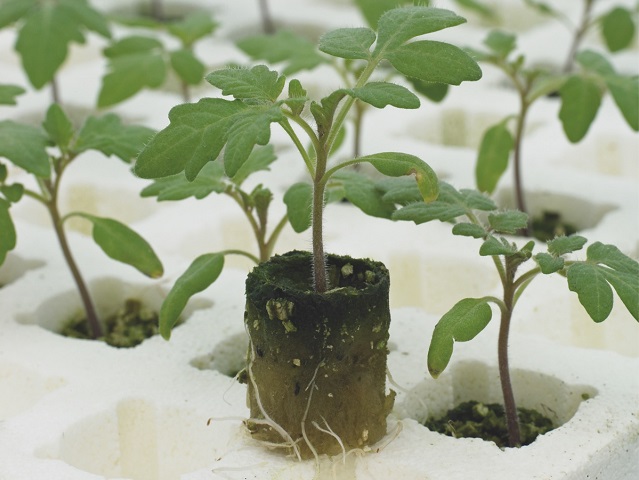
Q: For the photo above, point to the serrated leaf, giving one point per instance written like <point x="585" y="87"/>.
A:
<point x="107" y="134"/>
<point x="493" y="157"/>
<point x="298" y="199"/>
<point x="497" y="246"/>
<point x="25" y="146"/>
<point x="8" y="94"/>
<point x="58" y="126"/>
<point x="563" y="245"/>
<point x="461" y="323"/>
<point x="395" y="164"/>
<point x="436" y="62"/>
<point x="192" y="27"/>
<point x="294" y="51"/>
<point x="7" y="231"/>
<point x="13" y="192"/>
<point x="351" y="43"/>
<point x="618" y="28"/>
<point x="425" y="212"/>
<point x="594" y="61"/>
<point x="362" y="192"/>
<point x="580" y="101"/>
<point x="13" y="10"/>
<point x="508" y="222"/>
<point x="612" y="257"/>
<point x="187" y="66"/>
<point x="474" y="200"/>
<point x="124" y="245"/>
<point x="469" y="230"/>
<point x="397" y="26"/>
<point x="381" y="94"/>
<point x="595" y="295"/>
<point x="204" y="270"/>
<point x="400" y="190"/>
<point x="625" y="93"/>
<point x="128" y="74"/>
<point x="177" y="187"/>
<point x="257" y="84"/>
<point x="259" y="159"/>
<point x="627" y="287"/>
<point x="549" y="263"/>
<point x="500" y="42"/>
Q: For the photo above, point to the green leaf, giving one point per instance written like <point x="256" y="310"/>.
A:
<point x="8" y="94"/>
<point x="435" y="92"/>
<point x="13" y="192"/>
<point x="501" y="43"/>
<point x="395" y="164"/>
<point x="497" y="246"/>
<point x="549" y="263"/>
<point x="361" y="191"/>
<point x="461" y="323"/>
<point x="589" y="282"/>
<point x="545" y="85"/>
<point x="3" y="173"/>
<point x="132" y="45"/>
<point x="128" y="74"/>
<point x="493" y="156"/>
<point x="259" y="159"/>
<point x="580" y="101"/>
<point x="187" y="66"/>
<point x="25" y="146"/>
<point x="108" y="135"/>
<point x="192" y="27"/>
<point x="627" y="287"/>
<point x="259" y="83"/>
<point x="612" y="257"/>
<point x="58" y="126"/>
<point x="596" y="62"/>
<point x="7" y="231"/>
<point x="372" y="10"/>
<point x="85" y="15"/>
<point x="478" y="7"/>
<point x="177" y="187"/>
<point x="434" y="62"/>
<point x="400" y="190"/>
<point x="625" y="93"/>
<point x="294" y="51"/>
<point x="298" y="199"/>
<point x="204" y="270"/>
<point x="469" y="230"/>
<point x="351" y="43"/>
<point x="13" y="10"/>
<point x="397" y="26"/>
<point x="563" y="245"/>
<point x="508" y="222"/>
<point x="381" y="94"/>
<point x="296" y="97"/>
<point x="618" y="28"/>
<point x="124" y="245"/>
<point x="543" y="8"/>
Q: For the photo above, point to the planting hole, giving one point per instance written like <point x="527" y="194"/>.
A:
<point x="25" y="386"/>
<point x="14" y="267"/>
<point x="228" y="357"/>
<point x="139" y="440"/>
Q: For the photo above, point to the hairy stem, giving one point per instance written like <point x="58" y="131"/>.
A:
<point x="357" y="128"/>
<point x="319" y="261"/>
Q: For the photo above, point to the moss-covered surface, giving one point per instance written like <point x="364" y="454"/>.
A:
<point x="318" y="361"/>
<point x="488" y="422"/>
<point x="128" y="327"/>
<point x="549" y="226"/>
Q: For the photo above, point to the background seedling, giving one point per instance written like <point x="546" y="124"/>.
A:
<point x="593" y="279"/>
<point x="28" y="148"/>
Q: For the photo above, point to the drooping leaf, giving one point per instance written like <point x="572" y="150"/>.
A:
<point x="294" y="51"/>
<point x="258" y="84"/>
<point x="352" y="43"/>
<point x="298" y="200"/>
<point x="509" y="221"/>
<point x="109" y="135"/>
<point x="580" y="101"/>
<point x="381" y="94"/>
<point x="461" y="323"/>
<point x="8" y="94"/>
<point x="435" y="62"/>
<point x="549" y="263"/>
<point x="497" y="246"/>
<point x="25" y="146"/>
<point x="625" y="93"/>
<point x="7" y="231"/>
<point x="469" y="230"/>
<point x="594" y="292"/>
<point x="58" y="126"/>
<point x="618" y="28"/>
<point x="187" y="66"/>
<point x="493" y="156"/>
<point x="192" y="27"/>
<point x="123" y="244"/>
<point x="362" y="192"/>
<point x="177" y="187"/>
<point x="500" y="42"/>
<point x="397" y="26"/>
<point x="204" y="270"/>
<point x="563" y="245"/>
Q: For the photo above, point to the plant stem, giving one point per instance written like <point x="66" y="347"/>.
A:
<point x="319" y="261"/>
<point x="157" y="10"/>
<point x="581" y="31"/>
<point x="55" y="92"/>
<point x="267" y="22"/>
<point x="186" y="92"/>
<point x="519" y="133"/>
<point x="357" y="128"/>
<point x="95" y="329"/>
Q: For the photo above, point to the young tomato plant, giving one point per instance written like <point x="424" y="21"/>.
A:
<point x="581" y="94"/>
<point x="45" y="30"/>
<point x="138" y="62"/>
<point x="199" y="132"/>
<point x="28" y="148"/>
<point x="604" y="268"/>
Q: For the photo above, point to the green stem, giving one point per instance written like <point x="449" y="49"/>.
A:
<point x="581" y="31"/>
<point x="270" y="244"/>
<point x="311" y="134"/>
<point x="186" y="91"/>
<point x="519" y="134"/>
<point x="319" y="261"/>
<point x="357" y="128"/>
<point x="55" y="91"/>
<point x="242" y="253"/>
